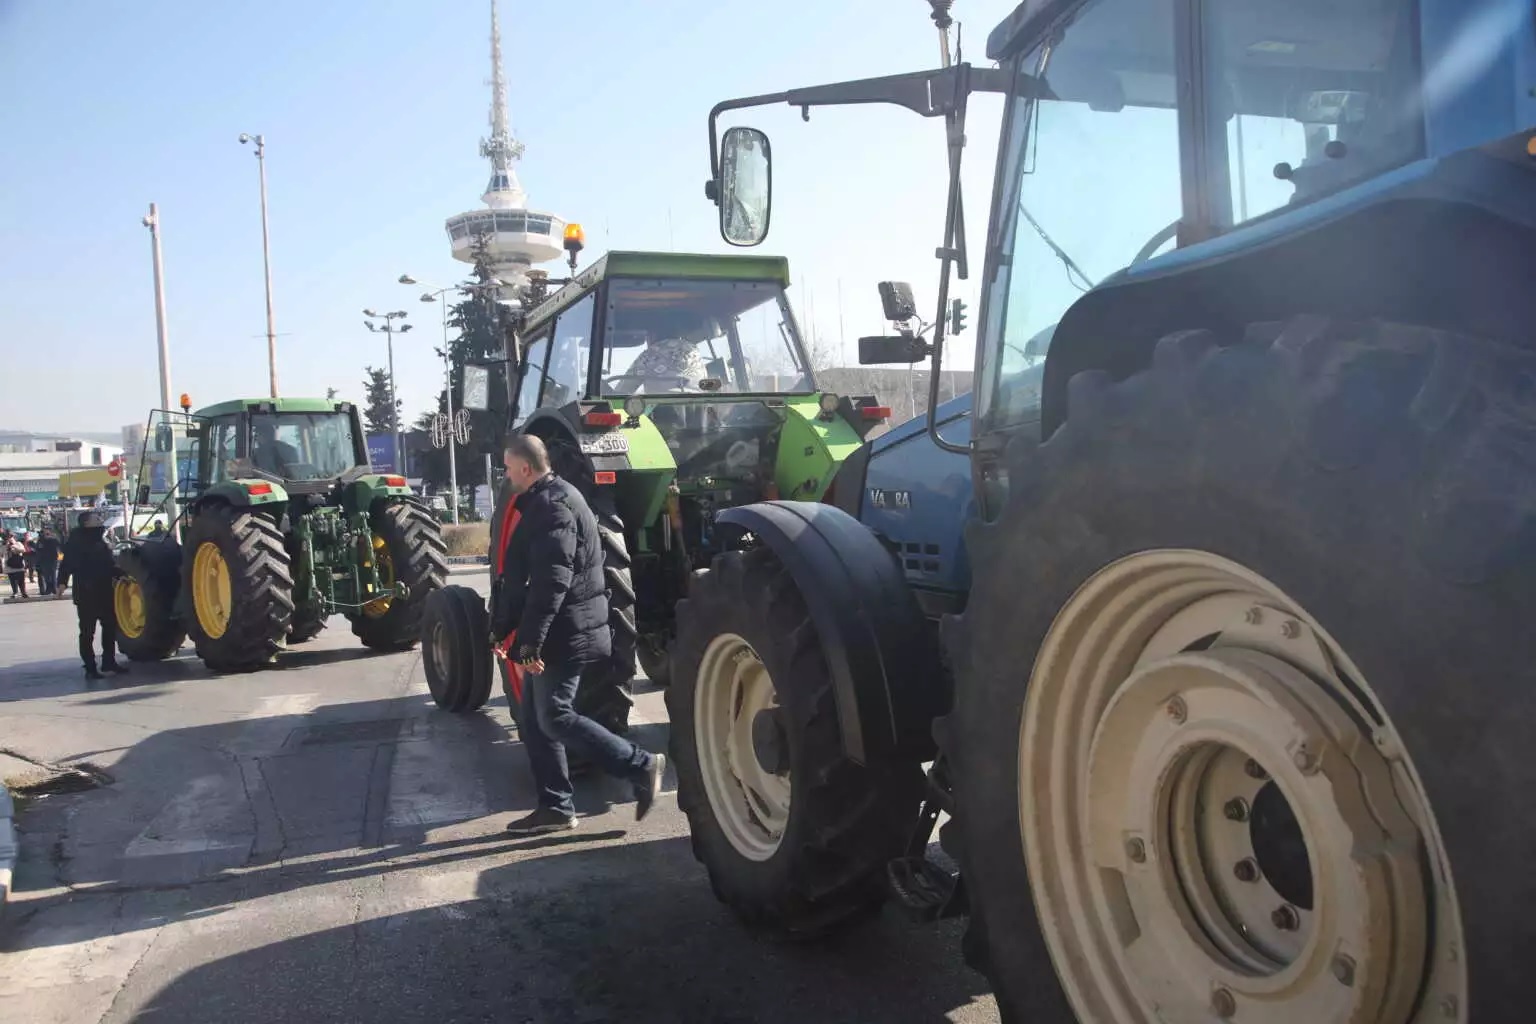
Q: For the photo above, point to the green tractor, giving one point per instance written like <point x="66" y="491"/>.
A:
<point x="283" y="523"/>
<point x="668" y="388"/>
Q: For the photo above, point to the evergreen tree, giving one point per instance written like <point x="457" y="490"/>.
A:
<point x="481" y="338"/>
<point x="379" y="415"/>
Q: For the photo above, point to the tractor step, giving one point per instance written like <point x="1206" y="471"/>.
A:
<point x="925" y="891"/>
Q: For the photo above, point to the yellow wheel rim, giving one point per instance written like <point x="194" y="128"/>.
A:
<point x="128" y="604"/>
<point x="386" y="563"/>
<point x="211" y="595"/>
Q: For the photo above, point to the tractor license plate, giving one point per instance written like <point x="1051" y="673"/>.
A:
<point x="604" y="444"/>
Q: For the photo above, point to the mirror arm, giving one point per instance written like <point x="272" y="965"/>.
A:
<point x="936" y="93"/>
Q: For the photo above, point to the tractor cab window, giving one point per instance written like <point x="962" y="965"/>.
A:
<point x="566" y="379"/>
<point x="691" y="337"/>
<point x="1307" y="98"/>
<point x="533" y="377"/>
<point x="222" y="434"/>
<point x="302" y="446"/>
<point x="1089" y="183"/>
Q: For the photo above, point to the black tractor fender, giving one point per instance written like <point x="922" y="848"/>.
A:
<point x="888" y="676"/>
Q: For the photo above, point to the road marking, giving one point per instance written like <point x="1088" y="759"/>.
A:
<point x="189" y="822"/>
<point x="435" y="783"/>
<point x="279" y="704"/>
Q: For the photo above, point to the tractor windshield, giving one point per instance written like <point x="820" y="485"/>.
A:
<point x="303" y="445"/>
<point x="700" y="336"/>
<point x="1299" y="100"/>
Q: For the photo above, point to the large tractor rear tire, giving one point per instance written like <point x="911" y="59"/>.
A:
<point x="238" y="588"/>
<point x="1254" y="741"/>
<point x="144" y="601"/>
<point x="456" y="649"/>
<point x="409" y="548"/>
<point x="795" y="836"/>
<point x="308" y="623"/>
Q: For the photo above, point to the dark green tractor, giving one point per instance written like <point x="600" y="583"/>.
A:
<point x="282" y="523"/>
<point x="668" y="388"/>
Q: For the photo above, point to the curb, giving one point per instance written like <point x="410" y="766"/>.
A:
<point x="469" y="560"/>
<point x="7" y="844"/>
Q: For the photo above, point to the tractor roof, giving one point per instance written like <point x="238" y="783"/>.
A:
<point x="660" y="264"/>
<point x="238" y="405"/>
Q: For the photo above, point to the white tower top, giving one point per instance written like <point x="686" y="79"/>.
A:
<point x="516" y="237"/>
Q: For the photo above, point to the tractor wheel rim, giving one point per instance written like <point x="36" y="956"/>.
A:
<point x="379" y="607"/>
<point x="128" y="606"/>
<point x="437" y="648"/>
<point x="750" y="803"/>
<point x="212" y="593"/>
<point x="1227" y="839"/>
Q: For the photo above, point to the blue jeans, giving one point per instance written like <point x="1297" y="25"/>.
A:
<point x="550" y="722"/>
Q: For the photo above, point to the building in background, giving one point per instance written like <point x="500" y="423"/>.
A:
<point x="52" y="467"/>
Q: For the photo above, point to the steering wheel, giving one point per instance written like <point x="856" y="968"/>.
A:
<point x="642" y="377"/>
<point x="1155" y="243"/>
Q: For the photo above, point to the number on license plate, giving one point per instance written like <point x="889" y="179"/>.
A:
<point x="604" y="444"/>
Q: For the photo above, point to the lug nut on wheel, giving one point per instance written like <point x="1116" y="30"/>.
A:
<point x="1236" y="809"/>
<point x="1222" y="1003"/>
<point x="1255" y="770"/>
<point x="1246" y="870"/>
<point x="1305" y="760"/>
<point x="1178" y="710"/>
<point x="1344" y="969"/>
<point x="1136" y="850"/>
<point x="1286" y="918"/>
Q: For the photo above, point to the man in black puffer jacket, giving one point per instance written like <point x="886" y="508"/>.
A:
<point x="89" y="563"/>
<point x="551" y="592"/>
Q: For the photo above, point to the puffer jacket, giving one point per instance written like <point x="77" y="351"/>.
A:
<point x="551" y="588"/>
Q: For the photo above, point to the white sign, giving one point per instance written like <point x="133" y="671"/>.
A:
<point x="477" y="388"/>
<point x="485" y="501"/>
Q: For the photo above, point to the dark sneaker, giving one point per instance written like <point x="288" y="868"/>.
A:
<point x="113" y="666"/>
<point x="91" y="673"/>
<point x="646" y="792"/>
<point x="541" y="821"/>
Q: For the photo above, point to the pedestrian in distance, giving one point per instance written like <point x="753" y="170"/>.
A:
<point x="16" y="567"/>
<point x="89" y="563"/>
<point x="47" y="555"/>
<point x="29" y="547"/>
<point x="552" y="595"/>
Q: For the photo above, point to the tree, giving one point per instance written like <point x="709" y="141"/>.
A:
<point x="482" y="339"/>
<point x="379" y="414"/>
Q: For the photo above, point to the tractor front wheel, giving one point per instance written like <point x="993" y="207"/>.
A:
<point x="408" y="548"/>
<point x="144" y="601"/>
<point x="238" y="587"/>
<point x="795" y="836"/>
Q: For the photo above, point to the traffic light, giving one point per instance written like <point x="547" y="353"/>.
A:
<point x="957" y="316"/>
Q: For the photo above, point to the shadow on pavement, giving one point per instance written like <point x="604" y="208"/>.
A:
<point x="627" y="933"/>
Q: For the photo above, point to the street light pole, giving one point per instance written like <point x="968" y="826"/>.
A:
<point x="389" y="330"/>
<point x="266" y="254"/>
<point x="153" y="223"/>
<point x="436" y="295"/>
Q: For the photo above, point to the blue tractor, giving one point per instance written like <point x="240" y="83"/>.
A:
<point x="1208" y="628"/>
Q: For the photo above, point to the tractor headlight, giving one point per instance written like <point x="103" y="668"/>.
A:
<point x="829" y="403"/>
<point x="634" y="406"/>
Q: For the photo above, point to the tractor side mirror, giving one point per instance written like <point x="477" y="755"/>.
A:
<point x="744" y="192"/>
<point x="142" y="498"/>
<point x="165" y="440"/>
<point x="900" y="348"/>
<point x="897" y="301"/>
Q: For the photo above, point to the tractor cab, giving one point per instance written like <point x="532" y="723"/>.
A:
<point x="304" y="444"/>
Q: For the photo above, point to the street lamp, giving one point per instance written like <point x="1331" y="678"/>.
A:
<point x="389" y="330"/>
<point x="266" y="252"/>
<point x="153" y="223"/>
<point x="436" y="295"/>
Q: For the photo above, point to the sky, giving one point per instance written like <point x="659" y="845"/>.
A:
<point x="372" y="113"/>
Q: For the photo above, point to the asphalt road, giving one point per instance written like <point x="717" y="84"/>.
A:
<point x="319" y="843"/>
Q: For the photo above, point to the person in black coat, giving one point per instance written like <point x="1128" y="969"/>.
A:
<point x="89" y="563"/>
<point x="47" y="562"/>
<point x="551" y="595"/>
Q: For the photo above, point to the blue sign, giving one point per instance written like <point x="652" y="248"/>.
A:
<point x="381" y="452"/>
